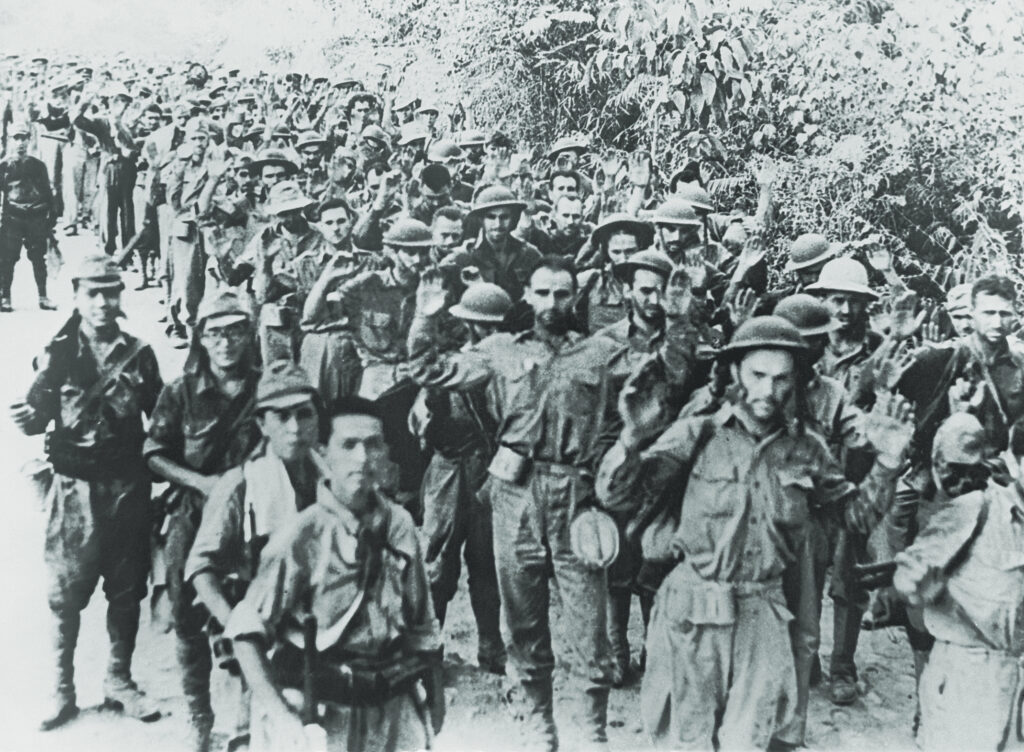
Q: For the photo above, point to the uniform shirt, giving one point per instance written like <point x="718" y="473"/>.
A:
<point x="25" y="185"/>
<point x="320" y="558"/>
<point x="221" y="545"/>
<point x="845" y="367"/>
<point x="748" y="498"/>
<point x="379" y="308"/>
<point x="552" y="399"/>
<point x="272" y="253"/>
<point x="982" y="604"/>
<point x="69" y="368"/>
<point x="509" y="270"/>
<point x="605" y="303"/>
<point x="182" y="427"/>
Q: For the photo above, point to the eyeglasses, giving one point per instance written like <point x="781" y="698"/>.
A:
<point x="304" y="411"/>
<point x="233" y="333"/>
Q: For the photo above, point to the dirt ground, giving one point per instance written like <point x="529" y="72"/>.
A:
<point x="478" y="719"/>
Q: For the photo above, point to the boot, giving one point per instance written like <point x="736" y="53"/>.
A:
<point x="119" y="690"/>
<point x="595" y="713"/>
<point x="65" y="705"/>
<point x="619" y="602"/>
<point x="540" y="702"/>
<point x="45" y="304"/>
<point x="194" y="659"/>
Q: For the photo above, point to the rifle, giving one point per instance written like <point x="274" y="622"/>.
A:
<point x="309" y="655"/>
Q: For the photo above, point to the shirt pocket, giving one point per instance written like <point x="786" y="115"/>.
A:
<point x="714" y="488"/>
<point x="583" y="393"/>
<point x="377" y="329"/>
<point x="793" y="500"/>
<point x="196" y="433"/>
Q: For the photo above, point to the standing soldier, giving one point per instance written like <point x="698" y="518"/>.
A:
<point x="94" y="382"/>
<point x="460" y="429"/>
<point x="351" y="567"/>
<point x="720" y="660"/>
<point x="202" y="426"/>
<point x="27" y="217"/>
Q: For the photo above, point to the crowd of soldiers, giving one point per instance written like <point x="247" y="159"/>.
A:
<point x="411" y="343"/>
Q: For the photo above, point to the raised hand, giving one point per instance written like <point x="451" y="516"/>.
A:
<point x="906" y="320"/>
<point x="639" y="169"/>
<point x="643" y="401"/>
<point x="889" y="427"/>
<point x="696" y="269"/>
<point x="753" y="251"/>
<point x="679" y="294"/>
<point x="893" y="359"/>
<point x="742" y="306"/>
<point x="431" y="296"/>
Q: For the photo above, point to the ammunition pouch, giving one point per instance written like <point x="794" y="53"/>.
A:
<point x="90" y="463"/>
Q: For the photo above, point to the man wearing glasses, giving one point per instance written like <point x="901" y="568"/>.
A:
<point x="203" y="425"/>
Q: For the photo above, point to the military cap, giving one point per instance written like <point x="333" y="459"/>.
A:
<point x="283" y="384"/>
<point x="196" y="125"/>
<point x="810" y="249"/>
<point x="246" y="95"/>
<point x="568" y="143"/>
<point x="224" y="305"/>
<point x="98" y="272"/>
<point x="688" y="173"/>
<point x="282" y="132"/>
<point x="405" y="101"/>
<point x="765" y="333"/>
<point x="806" y="313"/>
<point x="622" y="222"/>
<point x="482" y="301"/>
<point x="287" y="196"/>
<point x="428" y="107"/>
<point x="494" y="197"/>
<point x="676" y="211"/>
<point x="274" y="157"/>
<point x="19" y="128"/>
<point x="40" y="60"/>
<point x="117" y="90"/>
<point x="844" y="275"/>
<point x="347" y="83"/>
<point x="310" y="138"/>
<point x="435" y="177"/>
<point x="699" y="198"/>
<point x="406" y="232"/>
<point x="652" y="260"/>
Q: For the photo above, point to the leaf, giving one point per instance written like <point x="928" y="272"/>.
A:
<point x="708" y="86"/>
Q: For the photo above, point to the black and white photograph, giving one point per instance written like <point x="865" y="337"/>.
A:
<point x="500" y="375"/>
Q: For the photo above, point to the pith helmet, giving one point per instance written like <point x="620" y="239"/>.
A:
<point x="844" y="275"/>
<point x="810" y="249"/>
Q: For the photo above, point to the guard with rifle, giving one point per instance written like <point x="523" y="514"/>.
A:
<point x="353" y="561"/>
<point x="94" y="382"/>
<point x="250" y="502"/>
<point x="202" y="426"/>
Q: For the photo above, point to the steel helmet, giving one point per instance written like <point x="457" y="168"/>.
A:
<point x="765" y="333"/>
<point x="406" y="232"/>
<point x="495" y="196"/>
<point x="806" y="313"/>
<point x="676" y="211"/>
<point x="482" y="301"/>
<point x="810" y="249"/>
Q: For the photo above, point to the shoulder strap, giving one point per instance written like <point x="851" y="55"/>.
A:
<point x="104" y="382"/>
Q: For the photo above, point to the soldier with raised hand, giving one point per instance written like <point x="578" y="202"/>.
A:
<point x="94" y="382"/>
<point x="202" y="426"/>
<point x="720" y="660"/>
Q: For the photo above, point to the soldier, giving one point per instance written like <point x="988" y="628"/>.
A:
<point x="351" y="566"/>
<point x="568" y="231"/>
<point x="313" y="176"/>
<point x="251" y="501"/>
<point x="843" y="286"/>
<point x="553" y="386"/>
<point x="460" y="429"/>
<point x="94" y="382"/>
<point x="202" y="426"/>
<point x="278" y="286"/>
<point x="498" y="255"/>
<point x="965" y="571"/>
<point x="720" y="661"/>
<point x="27" y="217"/>
<point x="617" y="239"/>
